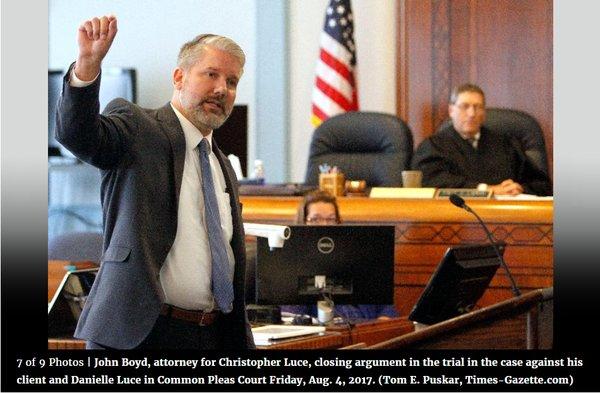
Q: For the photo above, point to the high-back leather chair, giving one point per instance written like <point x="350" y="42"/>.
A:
<point x="370" y="146"/>
<point x="523" y="127"/>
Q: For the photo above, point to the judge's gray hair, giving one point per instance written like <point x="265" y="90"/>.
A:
<point x="470" y="87"/>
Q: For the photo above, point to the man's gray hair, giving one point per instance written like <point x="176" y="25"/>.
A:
<point x="190" y="51"/>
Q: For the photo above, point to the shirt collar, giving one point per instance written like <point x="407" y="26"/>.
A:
<point x="474" y="137"/>
<point x="193" y="136"/>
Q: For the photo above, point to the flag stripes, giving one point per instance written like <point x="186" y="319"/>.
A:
<point x="335" y="86"/>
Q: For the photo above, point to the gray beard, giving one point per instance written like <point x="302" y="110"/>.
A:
<point x="205" y="120"/>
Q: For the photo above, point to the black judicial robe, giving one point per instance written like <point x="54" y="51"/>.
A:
<point x="449" y="161"/>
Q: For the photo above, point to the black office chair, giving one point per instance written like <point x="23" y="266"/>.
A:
<point x="523" y="127"/>
<point x="76" y="246"/>
<point x="370" y="146"/>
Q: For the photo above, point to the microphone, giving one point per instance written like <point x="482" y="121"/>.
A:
<point x="459" y="202"/>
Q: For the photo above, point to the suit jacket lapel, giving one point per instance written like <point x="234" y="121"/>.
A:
<point x="172" y="128"/>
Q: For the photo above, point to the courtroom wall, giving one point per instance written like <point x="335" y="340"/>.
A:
<point x="374" y="32"/>
<point x="505" y="46"/>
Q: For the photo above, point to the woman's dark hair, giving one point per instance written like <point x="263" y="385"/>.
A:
<point x="314" y="197"/>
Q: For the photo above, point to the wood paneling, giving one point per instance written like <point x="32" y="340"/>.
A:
<point x="65" y="343"/>
<point x="505" y="46"/>
<point x="426" y="228"/>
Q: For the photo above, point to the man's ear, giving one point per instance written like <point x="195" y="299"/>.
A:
<point x="178" y="78"/>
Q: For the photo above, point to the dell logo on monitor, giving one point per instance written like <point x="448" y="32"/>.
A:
<point x="325" y="245"/>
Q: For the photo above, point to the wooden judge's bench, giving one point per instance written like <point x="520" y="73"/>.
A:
<point x="424" y="230"/>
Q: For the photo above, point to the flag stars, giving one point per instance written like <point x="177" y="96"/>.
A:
<point x="339" y="23"/>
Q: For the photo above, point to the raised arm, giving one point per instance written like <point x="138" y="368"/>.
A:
<point x="95" y="139"/>
<point x="94" y="37"/>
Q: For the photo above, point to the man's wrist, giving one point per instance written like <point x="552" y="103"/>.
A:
<point x="86" y="70"/>
<point x="75" y="81"/>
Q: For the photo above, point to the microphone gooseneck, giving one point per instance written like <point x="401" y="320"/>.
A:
<point x="460" y="202"/>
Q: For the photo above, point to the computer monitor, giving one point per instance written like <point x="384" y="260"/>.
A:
<point x="116" y="82"/>
<point x="350" y="263"/>
<point x="458" y="282"/>
<point x="54" y="90"/>
<point x="67" y="303"/>
<point x="232" y="136"/>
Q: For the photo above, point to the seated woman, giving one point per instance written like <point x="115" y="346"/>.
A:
<point x="320" y="208"/>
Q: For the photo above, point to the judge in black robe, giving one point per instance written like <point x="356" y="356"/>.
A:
<point x="449" y="161"/>
<point x="467" y="155"/>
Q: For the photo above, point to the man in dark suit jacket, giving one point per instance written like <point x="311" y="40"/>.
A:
<point x="467" y="155"/>
<point x="154" y="288"/>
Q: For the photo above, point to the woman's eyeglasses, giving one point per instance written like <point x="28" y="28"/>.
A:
<point x="321" y="220"/>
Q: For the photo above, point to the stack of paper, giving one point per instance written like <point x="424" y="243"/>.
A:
<point x="399" y="192"/>
<point x="523" y="197"/>
<point x="269" y="334"/>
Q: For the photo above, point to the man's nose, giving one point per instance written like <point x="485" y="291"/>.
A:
<point x="220" y="87"/>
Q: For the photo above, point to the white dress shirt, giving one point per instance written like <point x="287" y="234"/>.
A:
<point x="474" y="140"/>
<point x="186" y="273"/>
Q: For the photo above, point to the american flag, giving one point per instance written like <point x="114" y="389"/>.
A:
<point x="335" y="85"/>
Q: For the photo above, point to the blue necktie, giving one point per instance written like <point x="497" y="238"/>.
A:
<point x="221" y="283"/>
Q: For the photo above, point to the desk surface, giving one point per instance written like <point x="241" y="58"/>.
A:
<point x="362" y="209"/>
<point x="370" y="332"/>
